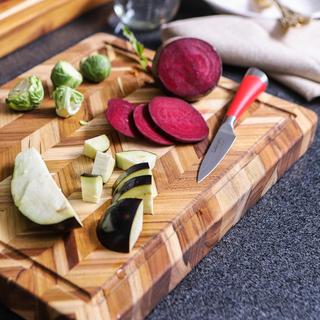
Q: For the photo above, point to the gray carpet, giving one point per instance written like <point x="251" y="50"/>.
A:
<point x="267" y="267"/>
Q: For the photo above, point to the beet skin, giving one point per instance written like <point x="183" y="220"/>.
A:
<point x="188" y="67"/>
<point x="178" y="119"/>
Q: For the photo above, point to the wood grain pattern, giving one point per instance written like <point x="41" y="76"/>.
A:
<point x="22" y="21"/>
<point x="46" y="273"/>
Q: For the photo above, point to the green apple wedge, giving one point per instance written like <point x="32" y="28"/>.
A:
<point x="36" y="194"/>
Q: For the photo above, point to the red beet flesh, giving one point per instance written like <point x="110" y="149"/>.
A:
<point x="188" y="67"/>
<point x="178" y="119"/>
<point x="147" y="127"/>
<point x="119" y="114"/>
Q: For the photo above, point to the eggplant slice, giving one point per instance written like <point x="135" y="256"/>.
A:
<point x="120" y="227"/>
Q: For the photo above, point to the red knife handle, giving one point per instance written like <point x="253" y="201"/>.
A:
<point x="254" y="82"/>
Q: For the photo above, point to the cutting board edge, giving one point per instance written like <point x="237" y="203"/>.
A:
<point x="248" y="203"/>
<point x="300" y="115"/>
<point x="179" y="267"/>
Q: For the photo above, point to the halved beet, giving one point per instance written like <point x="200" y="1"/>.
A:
<point x="119" y="114"/>
<point x="147" y="127"/>
<point x="178" y="119"/>
<point x="188" y="67"/>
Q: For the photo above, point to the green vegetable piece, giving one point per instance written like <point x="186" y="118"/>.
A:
<point x="26" y="95"/>
<point x="67" y="101"/>
<point x="64" y="74"/>
<point x="95" y="68"/>
<point x="137" y="47"/>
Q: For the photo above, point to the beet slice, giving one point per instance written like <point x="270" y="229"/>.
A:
<point x="188" y="67"/>
<point x="119" y="114"/>
<point x="147" y="127"/>
<point x="178" y="119"/>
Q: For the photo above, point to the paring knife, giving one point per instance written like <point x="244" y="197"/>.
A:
<point x="254" y="82"/>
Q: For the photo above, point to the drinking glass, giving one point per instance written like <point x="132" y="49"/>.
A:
<point x="145" y="14"/>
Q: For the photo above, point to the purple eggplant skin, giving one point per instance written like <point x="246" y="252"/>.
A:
<point x="136" y="182"/>
<point x="114" y="227"/>
<point x="132" y="169"/>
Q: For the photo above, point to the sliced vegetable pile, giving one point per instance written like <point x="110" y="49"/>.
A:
<point x="164" y="121"/>
<point x="133" y="194"/>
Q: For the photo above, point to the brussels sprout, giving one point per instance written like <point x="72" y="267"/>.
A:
<point x="67" y="100"/>
<point x="26" y="95"/>
<point x="95" y="68"/>
<point x="64" y="74"/>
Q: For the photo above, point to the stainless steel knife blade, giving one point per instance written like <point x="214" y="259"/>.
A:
<point x="218" y="149"/>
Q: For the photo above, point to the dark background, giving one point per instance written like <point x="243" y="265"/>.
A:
<point x="266" y="267"/>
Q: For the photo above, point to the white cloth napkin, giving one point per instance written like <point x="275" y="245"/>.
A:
<point x="291" y="57"/>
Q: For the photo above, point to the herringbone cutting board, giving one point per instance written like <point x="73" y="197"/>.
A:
<point x="46" y="273"/>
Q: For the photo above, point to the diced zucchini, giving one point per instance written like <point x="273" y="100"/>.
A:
<point x="126" y="159"/>
<point x="103" y="166"/>
<point x="99" y="143"/>
<point x="91" y="187"/>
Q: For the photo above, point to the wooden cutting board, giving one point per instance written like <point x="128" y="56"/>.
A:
<point x="22" y="21"/>
<point x="46" y="273"/>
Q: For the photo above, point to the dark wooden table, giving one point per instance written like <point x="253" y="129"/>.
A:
<point x="267" y="267"/>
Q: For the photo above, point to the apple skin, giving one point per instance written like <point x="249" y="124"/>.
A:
<point x="115" y="226"/>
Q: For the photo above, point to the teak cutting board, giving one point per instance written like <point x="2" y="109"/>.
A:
<point x="46" y="273"/>
<point x="22" y="21"/>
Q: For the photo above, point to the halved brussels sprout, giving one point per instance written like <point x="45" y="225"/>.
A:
<point x="95" y="68"/>
<point x="64" y="74"/>
<point x="67" y="100"/>
<point x="26" y="95"/>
